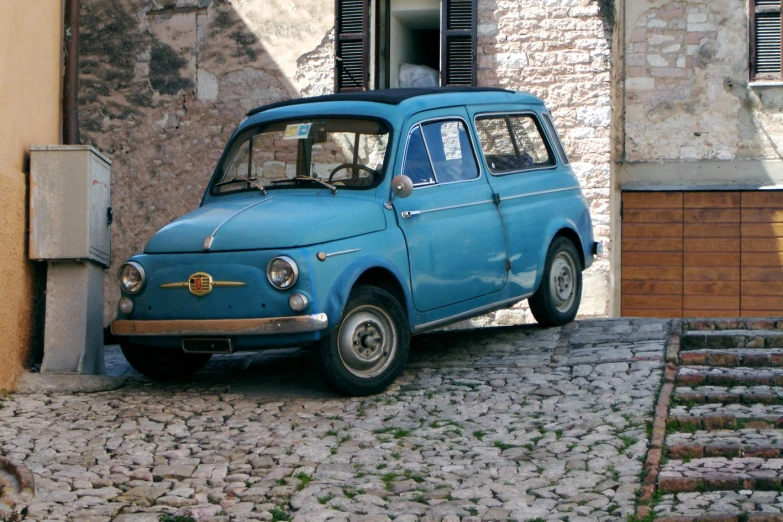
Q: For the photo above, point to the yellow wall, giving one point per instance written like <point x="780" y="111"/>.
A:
<point x="30" y="90"/>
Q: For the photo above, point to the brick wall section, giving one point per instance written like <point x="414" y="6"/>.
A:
<point x="163" y="87"/>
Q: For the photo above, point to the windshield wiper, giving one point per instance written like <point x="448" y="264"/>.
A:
<point x="250" y="181"/>
<point x="307" y="178"/>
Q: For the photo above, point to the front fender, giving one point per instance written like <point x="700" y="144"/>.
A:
<point x="342" y="286"/>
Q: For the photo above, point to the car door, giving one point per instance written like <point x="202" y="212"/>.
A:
<point x="455" y="238"/>
<point x="530" y="187"/>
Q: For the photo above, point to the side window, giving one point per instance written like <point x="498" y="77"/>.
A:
<point x="450" y="151"/>
<point x="417" y="162"/>
<point x="512" y="143"/>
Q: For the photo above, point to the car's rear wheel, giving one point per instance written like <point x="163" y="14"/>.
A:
<point x="368" y="349"/>
<point x="163" y="364"/>
<point x="558" y="296"/>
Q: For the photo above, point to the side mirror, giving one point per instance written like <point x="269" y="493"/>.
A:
<point x="402" y="187"/>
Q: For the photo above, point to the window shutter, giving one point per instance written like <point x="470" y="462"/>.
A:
<point x="352" y="49"/>
<point x="458" y="42"/>
<point x="766" y="39"/>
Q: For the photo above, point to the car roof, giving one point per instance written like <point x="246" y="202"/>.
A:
<point x="431" y="97"/>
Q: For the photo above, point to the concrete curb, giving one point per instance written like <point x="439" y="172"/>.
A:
<point x="48" y="383"/>
<point x="655" y="453"/>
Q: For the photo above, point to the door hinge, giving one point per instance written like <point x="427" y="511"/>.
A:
<point x="496" y="198"/>
<point x="621" y="210"/>
<point x="508" y="264"/>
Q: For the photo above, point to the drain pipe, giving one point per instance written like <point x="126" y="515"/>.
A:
<point x="71" y="80"/>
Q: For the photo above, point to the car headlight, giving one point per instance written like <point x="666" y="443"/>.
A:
<point x="282" y="272"/>
<point x="131" y="277"/>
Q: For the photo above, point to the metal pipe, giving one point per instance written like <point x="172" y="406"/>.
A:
<point x="71" y="79"/>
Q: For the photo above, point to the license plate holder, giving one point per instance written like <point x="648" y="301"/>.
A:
<point x="207" y="345"/>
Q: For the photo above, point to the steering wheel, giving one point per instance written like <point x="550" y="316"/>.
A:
<point x="356" y="168"/>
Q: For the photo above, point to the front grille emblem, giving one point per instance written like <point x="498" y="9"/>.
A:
<point x="200" y="283"/>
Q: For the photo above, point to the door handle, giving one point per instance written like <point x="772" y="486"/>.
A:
<point x="410" y="213"/>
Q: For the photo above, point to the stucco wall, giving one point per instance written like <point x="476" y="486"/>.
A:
<point x="30" y="69"/>
<point x="162" y="89"/>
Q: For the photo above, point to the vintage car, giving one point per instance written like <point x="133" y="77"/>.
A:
<point x="349" y="222"/>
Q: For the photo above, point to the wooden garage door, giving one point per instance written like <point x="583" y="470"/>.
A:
<point x="702" y="254"/>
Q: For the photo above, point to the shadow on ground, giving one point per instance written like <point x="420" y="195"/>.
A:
<point x="292" y="371"/>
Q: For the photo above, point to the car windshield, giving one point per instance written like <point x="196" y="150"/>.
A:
<point x="322" y="152"/>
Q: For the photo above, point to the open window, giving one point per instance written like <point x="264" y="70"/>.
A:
<point x="412" y="43"/>
<point x="765" y="40"/>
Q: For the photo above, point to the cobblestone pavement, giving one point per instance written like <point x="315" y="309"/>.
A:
<point x="496" y="424"/>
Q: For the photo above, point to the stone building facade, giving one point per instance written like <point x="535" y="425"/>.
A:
<point x="699" y="119"/>
<point x="31" y="69"/>
<point x="163" y="84"/>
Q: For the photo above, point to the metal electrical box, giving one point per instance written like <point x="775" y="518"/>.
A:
<point x="70" y="214"/>
<point x="70" y="208"/>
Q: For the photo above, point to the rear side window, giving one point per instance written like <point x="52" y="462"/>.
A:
<point x="513" y="143"/>
<point x="440" y="152"/>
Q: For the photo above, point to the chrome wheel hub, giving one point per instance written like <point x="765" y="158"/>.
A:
<point x="367" y="341"/>
<point x="562" y="281"/>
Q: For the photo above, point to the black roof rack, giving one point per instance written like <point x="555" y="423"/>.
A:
<point x="388" y="96"/>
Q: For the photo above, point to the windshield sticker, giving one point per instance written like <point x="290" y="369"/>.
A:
<point x="297" y="131"/>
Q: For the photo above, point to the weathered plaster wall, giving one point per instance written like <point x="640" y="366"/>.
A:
<point x="30" y="71"/>
<point x="163" y="87"/>
<point x="687" y="115"/>
<point x="687" y="93"/>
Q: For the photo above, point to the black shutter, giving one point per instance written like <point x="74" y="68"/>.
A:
<point x="766" y="39"/>
<point x="458" y="42"/>
<point x="352" y="49"/>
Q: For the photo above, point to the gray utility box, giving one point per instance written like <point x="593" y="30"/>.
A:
<point x="70" y="189"/>
<point x="70" y="204"/>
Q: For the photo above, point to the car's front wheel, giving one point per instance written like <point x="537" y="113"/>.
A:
<point x="163" y="364"/>
<point x="558" y="296"/>
<point x="368" y="349"/>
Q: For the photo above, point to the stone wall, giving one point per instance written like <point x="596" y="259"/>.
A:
<point x="686" y="82"/>
<point x="560" y="50"/>
<point x="164" y="84"/>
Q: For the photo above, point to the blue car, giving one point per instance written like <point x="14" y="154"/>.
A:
<point x="350" y="222"/>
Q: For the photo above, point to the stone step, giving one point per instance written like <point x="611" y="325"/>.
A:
<point x="747" y="436"/>
<point x="740" y="375"/>
<point x="752" y="357"/>
<point x="740" y="411"/>
<point x="725" y="517"/>
<point x="698" y="340"/>
<point x="730" y="451"/>
<point x="721" y="474"/>
<point x="715" y="416"/>
<point x="767" y="444"/>
<point x="715" y="506"/>
<point x="728" y="395"/>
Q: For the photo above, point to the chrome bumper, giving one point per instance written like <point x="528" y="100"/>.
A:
<point x="257" y="326"/>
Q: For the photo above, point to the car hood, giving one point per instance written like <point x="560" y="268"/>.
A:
<point x="275" y="221"/>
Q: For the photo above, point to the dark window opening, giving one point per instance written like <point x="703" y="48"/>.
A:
<point x="414" y="44"/>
